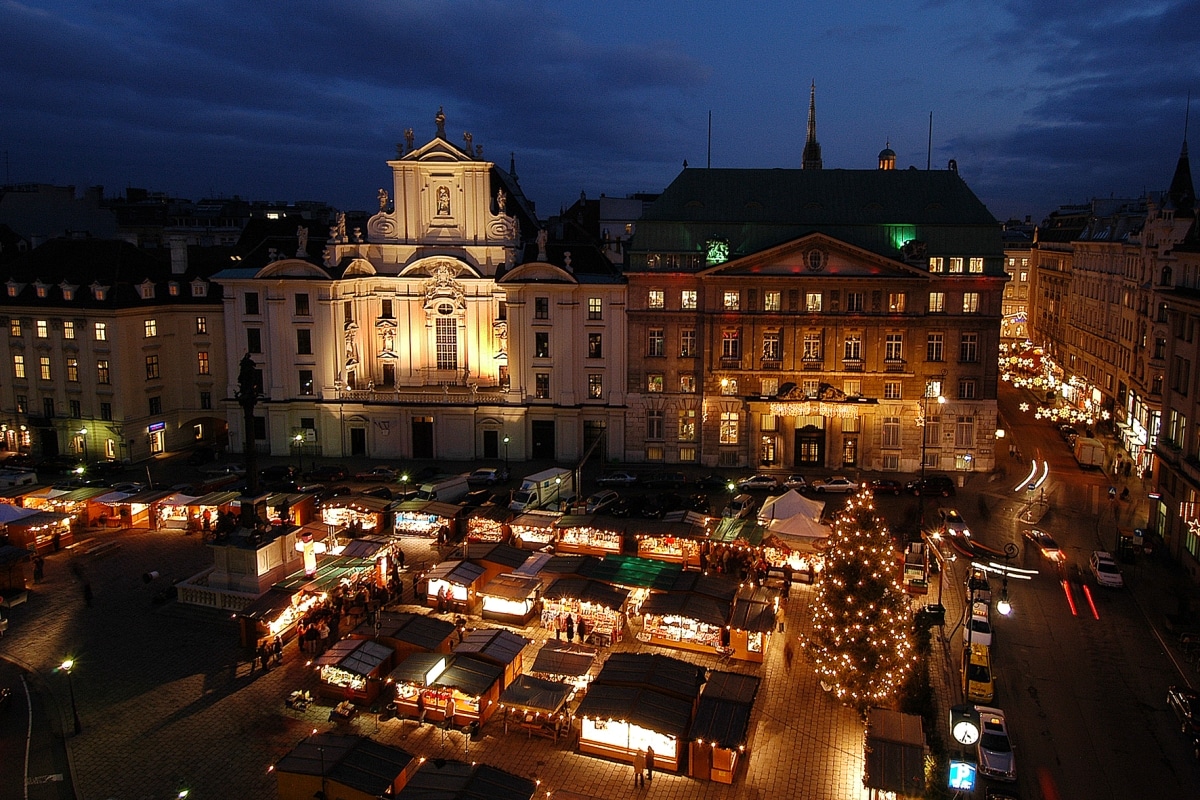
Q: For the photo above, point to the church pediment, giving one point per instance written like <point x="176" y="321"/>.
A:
<point x="816" y="255"/>
<point x="439" y="151"/>
<point x="537" y="272"/>
<point x="293" y="268"/>
<point x="433" y="266"/>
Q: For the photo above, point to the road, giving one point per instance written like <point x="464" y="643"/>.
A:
<point x="33" y="754"/>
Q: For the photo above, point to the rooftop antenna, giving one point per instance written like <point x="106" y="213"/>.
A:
<point x="709" y="164"/>
<point x="929" y="147"/>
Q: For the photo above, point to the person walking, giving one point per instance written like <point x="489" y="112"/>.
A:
<point x="649" y="763"/>
<point x="639" y="768"/>
<point x="39" y="569"/>
<point x="570" y="628"/>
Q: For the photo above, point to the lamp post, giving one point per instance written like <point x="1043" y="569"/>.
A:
<point x="1003" y="605"/>
<point x="922" y="423"/>
<point x="83" y="433"/>
<point x="299" y="440"/>
<point x="66" y="667"/>
<point x="337" y="387"/>
<point x="505" y="440"/>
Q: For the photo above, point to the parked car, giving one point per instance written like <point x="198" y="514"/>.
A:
<point x="381" y="492"/>
<point x="979" y="585"/>
<point x="476" y="497"/>
<point x="332" y="492"/>
<point x="487" y="476"/>
<point x="382" y="474"/>
<point x="657" y="506"/>
<point x="994" y="750"/>
<point x="57" y="465"/>
<point x="713" y="481"/>
<point x="619" y="478"/>
<point x="1045" y="544"/>
<point x="1068" y="432"/>
<point x="931" y="485"/>
<point x="328" y="472"/>
<point x="308" y="487"/>
<point x="280" y="472"/>
<point x="601" y="500"/>
<point x="760" y="482"/>
<point x="977" y="628"/>
<point x="201" y="456"/>
<point x="838" y="484"/>
<point x="667" y="480"/>
<point x="885" y="486"/>
<point x="797" y="482"/>
<point x="1105" y="570"/>
<point x="697" y="502"/>
<point x="127" y="487"/>
<point x="230" y="468"/>
<point x="1186" y="705"/>
<point x="739" y="507"/>
<point x="108" y="467"/>
<point x="628" y="506"/>
<point x="953" y="523"/>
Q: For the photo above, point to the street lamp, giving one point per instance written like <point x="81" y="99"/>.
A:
<point x="1003" y="605"/>
<point x="506" y="440"/>
<point x="921" y="423"/>
<point x="66" y="667"/>
<point x="337" y="387"/>
<point x="299" y="440"/>
<point x="404" y="481"/>
<point x="83" y="433"/>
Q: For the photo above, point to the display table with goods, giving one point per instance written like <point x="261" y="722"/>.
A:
<point x="685" y="620"/>
<point x="589" y="534"/>
<point x="489" y="524"/>
<point x="533" y="530"/>
<point x="424" y="518"/>
<point x="595" y="609"/>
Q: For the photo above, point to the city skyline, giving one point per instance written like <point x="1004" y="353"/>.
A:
<point x="1039" y="106"/>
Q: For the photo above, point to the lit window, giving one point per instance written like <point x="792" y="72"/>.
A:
<point x="772" y="346"/>
<point x="44" y="367"/>
<point x="201" y="324"/>
<point x="152" y="368"/>
<point x="812" y="347"/>
<point x="595" y="308"/>
<point x="772" y="301"/>
<point x="654" y="383"/>
<point x="812" y="302"/>
<point x="14" y="327"/>
<point x="687" y="383"/>
<point x="733" y="300"/>
<point x="729" y="386"/>
<point x="101" y="331"/>
<point x="102" y="371"/>
<point x="151" y="328"/>
<point x="896" y="302"/>
<point x="541" y="385"/>
<point x="891" y="390"/>
<point x="956" y="264"/>
<point x="18" y="366"/>
<point x="68" y="329"/>
<point x="73" y="370"/>
<point x="43" y="329"/>
<point x="937" y="302"/>
<point x="687" y="425"/>
<point x="769" y="387"/>
<point x="730" y="421"/>
<point x="970" y="302"/>
<point x="202" y="363"/>
<point x="893" y="347"/>
<point x="937" y="264"/>
<point x="975" y="264"/>
<point x="687" y="299"/>
<point x="541" y="344"/>
<point x="687" y="343"/>
<point x="656" y="299"/>
<point x="595" y="385"/>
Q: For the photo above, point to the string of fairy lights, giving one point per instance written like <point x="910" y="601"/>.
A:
<point x="860" y="642"/>
<point x="1027" y="367"/>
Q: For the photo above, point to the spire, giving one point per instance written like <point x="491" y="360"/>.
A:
<point x="1182" y="192"/>
<point x="812" y="150"/>
<point x="512" y="165"/>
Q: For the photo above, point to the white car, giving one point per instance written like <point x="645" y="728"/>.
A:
<point x="487" y="476"/>
<point x="978" y="627"/>
<point x="796" y="482"/>
<point x="953" y="523"/>
<point x="601" y="500"/>
<point x="994" y="750"/>
<point x="617" y="479"/>
<point x="839" y="484"/>
<point x="759" y="482"/>
<point x="1105" y="569"/>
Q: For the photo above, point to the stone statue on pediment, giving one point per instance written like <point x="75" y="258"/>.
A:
<point x="440" y="120"/>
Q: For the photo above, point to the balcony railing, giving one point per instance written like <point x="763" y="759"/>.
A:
<point x="772" y="363"/>
<point x="812" y="363"/>
<point x="893" y="365"/>
<point x="853" y="364"/>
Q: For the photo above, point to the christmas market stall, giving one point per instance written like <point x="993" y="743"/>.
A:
<point x="208" y="507"/>
<point x="358" y="514"/>
<point x="489" y="524"/>
<point x="676" y="541"/>
<point x="496" y="558"/>
<point x="40" y="531"/>
<point x="15" y="495"/>
<point x="511" y="599"/>
<point x="539" y="705"/>
<point x="39" y="497"/>
<point x="593" y="610"/>
<point x="752" y="623"/>
<point x="408" y="633"/>
<point x="454" y="586"/>
<point x="353" y="669"/>
<point x="589" y="534"/>
<point x="138" y="509"/>
<point x="427" y="518"/>
<point x="434" y="687"/>
<point x="173" y="513"/>
<point x="103" y="510"/>
<point x="571" y="662"/>
<point x="75" y="502"/>
<point x="640" y="701"/>
<point x="344" y="766"/>
<point x="685" y="620"/>
<point x="639" y="575"/>
<point x="498" y="646"/>
<point x="534" y="530"/>
<point x="13" y="581"/>
<point x="287" y="508"/>
<point x="383" y="550"/>
<point x="276" y="613"/>
<point x="721" y="730"/>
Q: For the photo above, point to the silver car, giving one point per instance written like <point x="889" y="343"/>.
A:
<point x="994" y="751"/>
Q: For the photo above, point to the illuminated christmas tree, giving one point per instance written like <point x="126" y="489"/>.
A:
<point x="860" y="639"/>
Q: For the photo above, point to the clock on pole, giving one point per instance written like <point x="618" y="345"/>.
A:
<point x="964" y="724"/>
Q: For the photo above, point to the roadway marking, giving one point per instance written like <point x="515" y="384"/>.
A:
<point x="57" y="776"/>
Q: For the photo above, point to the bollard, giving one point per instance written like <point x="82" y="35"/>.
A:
<point x="149" y="576"/>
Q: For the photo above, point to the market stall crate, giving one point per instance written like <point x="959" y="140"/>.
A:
<point x="720" y="732"/>
<point x="435" y="687"/>
<point x="598" y="610"/>
<point x="511" y="599"/>
<point x="353" y="669"/>
<point x="589" y="534"/>
<point x="752" y="622"/>
<point x="534" y="530"/>
<point x="498" y="646"/>
<point x="454" y="586"/>
<point x="489" y="524"/>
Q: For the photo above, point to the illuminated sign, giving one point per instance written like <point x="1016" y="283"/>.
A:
<point x="962" y="776"/>
<point x="157" y="426"/>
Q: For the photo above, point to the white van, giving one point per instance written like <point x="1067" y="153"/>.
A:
<point x="444" y="488"/>
<point x="740" y="507"/>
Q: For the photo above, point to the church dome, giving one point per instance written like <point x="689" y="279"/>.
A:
<point x="887" y="157"/>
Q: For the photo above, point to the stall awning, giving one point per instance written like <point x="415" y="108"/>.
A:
<point x="493" y="513"/>
<point x="9" y="513"/>
<point x="358" y="502"/>
<point x="40" y="518"/>
<point x="461" y="573"/>
<point x="646" y="708"/>
<point x="597" y="521"/>
<point x="362" y="764"/>
<point x="267" y="607"/>
<point x="644" y="573"/>
<point x="536" y="519"/>
<point x="470" y="675"/>
<point x="587" y="591"/>
<point x="415" y="669"/>
<point x="177" y="499"/>
<point x="147" y="496"/>
<point x="440" y="779"/>
<point x="723" y="714"/>
<point x="655" y="671"/>
<point x="45" y="493"/>
<point x="718" y="586"/>
<point x="367" y="546"/>
<point x="753" y="612"/>
<point x="492" y="644"/>
<point x="81" y="494"/>
<point x="567" y="564"/>
<point x="502" y="554"/>
<point x="511" y="587"/>
<point x="357" y="656"/>
<point x="533" y="565"/>
<point x="535" y="694"/>
<point x="688" y="605"/>
<point x="330" y="572"/>
<point x="421" y="631"/>
<point x="216" y="498"/>
<point x="730" y="530"/>
<point x="425" y="508"/>
<point x="563" y="658"/>
<point x="691" y="527"/>
<point x="112" y="498"/>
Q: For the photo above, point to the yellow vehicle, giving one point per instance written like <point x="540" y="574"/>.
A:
<point x="977" y="674"/>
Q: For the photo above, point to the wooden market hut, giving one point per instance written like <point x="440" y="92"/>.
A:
<point x="539" y="705"/>
<point x="138" y="509"/>
<point x="429" y="686"/>
<point x="363" y="514"/>
<point x="408" y="633"/>
<point x="349" y="767"/>
<point x="498" y="646"/>
<point x="534" y="530"/>
<point x="496" y="558"/>
<point x="589" y="534"/>
<point x="275" y="613"/>
<point x="569" y="662"/>
<point x="600" y="606"/>
<point x="300" y="507"/>
<point x="512" y="599"/>
<point x="13" y="579"/>
<point x="752" y="622"/>
<point x="685" y="620"/>
<point x="490" y="524"/>
<point x="210" y="505"/>
<point x="172" y="513"/>
<point x="353" y="669"/>
<point x="676" y="541"/>
<point x="42" y="531"/>
<point x="425" y="518"/>
<point x="104" y="510"/>
<point x="640" y="700"/>
<point x="380" y="549"/>
<point x="444" y="779"/>
<point x="721" y="730"/>
<point x="461" y="579"/>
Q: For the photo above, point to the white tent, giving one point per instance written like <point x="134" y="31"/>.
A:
<point x="9" y="512"/>
<point x="789" y="504"/>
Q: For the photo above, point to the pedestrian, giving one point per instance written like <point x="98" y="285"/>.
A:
<point x="87" y="593"/>
<point x="788" y="653"/>
<point x="639" y="768"/>
<point x="39" y="569"/>
<point x="649" y="763"/>
<point x="570" y="628"/>
<point x="399" y="558"/>
<point x="277" y="650"/>
<point x="420" y="706"/>
<point x="56" y="540"/>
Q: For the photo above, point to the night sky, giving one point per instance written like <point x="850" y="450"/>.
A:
<point x="1041" y="104"/>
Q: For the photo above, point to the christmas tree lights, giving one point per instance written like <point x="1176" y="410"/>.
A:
<point x="860" y="638"/>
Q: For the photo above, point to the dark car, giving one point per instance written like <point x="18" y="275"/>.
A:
<point x="280" y="472"/>
<point x="931" y="485"/>
<point x="658" y="505"/>
<point x="382" y="492"/>
<point x="618" y="478"/>
<point x="58" y="465"/>
<point x="201" y="456"/>
<point x="332" y="492"/>
<point x="713" y="481"/>
<point x="328" y="472"/>
<point x="628" y="506"/>
<point x="476" y="497"/>
<point x="885" y="486"/>
<point x="667" y="480"/>
<point x="1186" y="705"/>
